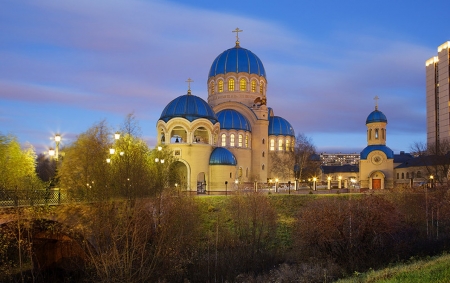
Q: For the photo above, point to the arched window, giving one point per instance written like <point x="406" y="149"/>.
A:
<point x="272" y="144"/>
<point x="230" y="175"/>
<point x="263" y="154"/>
<point x="243" y="84"/>
<point x="369" y="133"/>
<point x="253" y="87"/>
<point x="240" y="172"/>
<point x="288" y="145"/>
<point x="240" y="140"/>
<point x="246" y="140"/>
<point x="398" y="176"/>
<point x="403" y="175"/>
<point x="224" y="140"/>
<point x="261" y="88"/>
<point x="419" y="174"/>
<point x="383" y="136"/>
<point x="407" y="175"/>
<point x="220" y="86"/>
<point x="280" y="145"/>
<point x="376" y="135"/>
<point x="232" y="140"/>
<point x="263" y="141"/>
<point x="292" y="145"/>
<point x="211" y="87"/>
<point x="231" y="85"/>
<point x="246" y="172"/>
<point x="262" y="167"/>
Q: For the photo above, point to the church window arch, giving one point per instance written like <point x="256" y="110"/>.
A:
<point x="232" y="140"/>
<point x="212" y="87"/>
<point x="240" y="140"/>
<point x="288" y="143"/>
<point x="369" y="132"/>
<point x="224" y="140"/>
<point x="407" y="175"/>
<point x="246" y="140"/>
<point x="398" y="176"/>
<point x="383" y="134"/>
<point x="403" y="175"/>
<point x="243" y="84"/>
<point x="261" y="88"/>
<point x="220" y="86"/>
<point x="263" y="154"/>
<point x="263" y="141"/>
<point x="253" y="86"/>
<point x="262" y="167"/>
<point x="376" y="133"/>
<point x="280" y="145"/>
<point x="272" y="144"/>
<point x="240" y="172"/>
<point x="246" y="172"/>
<point x="231" y="85"/>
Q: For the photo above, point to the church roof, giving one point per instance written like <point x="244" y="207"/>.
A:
<point x="190" y="107"/>
<point x="376" y="116"/>
<point x="389" y="153"/>
<point x="231" y="119"/>
<point x="236" y="60"/>
<point x="280" y="127"/>
<point x="222" y="156"/>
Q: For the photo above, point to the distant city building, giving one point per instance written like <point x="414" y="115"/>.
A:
<point x="438" y="95"/>
<point x="334" y="159"/>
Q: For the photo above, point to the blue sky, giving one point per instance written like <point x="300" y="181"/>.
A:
<point x="65" y="65"/>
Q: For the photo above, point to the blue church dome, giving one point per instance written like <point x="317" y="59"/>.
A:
<point x="222" y="156"/>
<point x="280" y="127"/>
<point x="190" y="107"/>
<point x="389" y="153"/>
<point x="230" y="119"/>
<point x="376" y="116"/>
<point x="236" y="60"/>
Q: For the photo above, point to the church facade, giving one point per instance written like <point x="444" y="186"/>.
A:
<point x="225" y="141"/>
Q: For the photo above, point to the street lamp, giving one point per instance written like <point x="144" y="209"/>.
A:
<point x="315" y="183"/>
<point x="289" y="185"/>
<point x="296" y="171"/>
<point x="51" y="152"/>
<point x="431" y="181"/>
<point x="226" y="187"/>
<point x="57" y="141"/>
<point x="329" y="182"/>
<point x="117" y="135"/>
<point x="276" y="185"/>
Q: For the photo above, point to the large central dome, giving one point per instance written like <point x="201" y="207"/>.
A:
<point x="236" y="60"/>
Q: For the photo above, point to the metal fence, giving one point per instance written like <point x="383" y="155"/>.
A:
<point x="11" y="198"/>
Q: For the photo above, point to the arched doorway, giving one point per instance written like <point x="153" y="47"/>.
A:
<point x="376" y="180"/>
<point x="179" y="176"/>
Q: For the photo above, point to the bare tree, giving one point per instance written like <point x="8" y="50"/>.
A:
<point x="435" y="159"/>
<point x="304" y="157"/>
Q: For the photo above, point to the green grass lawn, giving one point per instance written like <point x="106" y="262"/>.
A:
<point x="435" y="270"/>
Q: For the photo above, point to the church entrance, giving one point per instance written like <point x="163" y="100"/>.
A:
<point x="376" y="184"/>
<point x="201" y="183"/>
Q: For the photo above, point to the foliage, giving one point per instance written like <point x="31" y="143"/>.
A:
<point x="17" y="166"/>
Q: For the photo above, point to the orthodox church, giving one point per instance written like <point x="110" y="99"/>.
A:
<point x="225" y="140"/>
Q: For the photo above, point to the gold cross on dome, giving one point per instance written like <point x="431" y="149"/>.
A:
<point x="237" y="31"/>
<point x="189" y="81"/>
<point x="376" y="102"/>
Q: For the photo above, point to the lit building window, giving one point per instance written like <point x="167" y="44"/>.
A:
<point x="253" y="86"/>
<point x="240" y="172"/>
<point x="272" y="144"/>
<point x="231" y="84"/>
<point x="224" y="140"/>
<point x="243" y="84"/>
<point x="246" y="140"/>
<point x="232" y="140"/>
<point x="376" y="133"/>
<point x="288" y="145"/>
<point x="240" y="141"/>
<point x="261" y="88"/>
<point x="220" y="86"/>
<point x="292" y="145"/>
<point x="211" y="87"/>
<point x="280" y="145"/>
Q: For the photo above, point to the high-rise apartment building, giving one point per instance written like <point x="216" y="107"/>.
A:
<point x="438" y="96"/>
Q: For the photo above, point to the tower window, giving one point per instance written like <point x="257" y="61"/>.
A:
<point x="240" y="140"/>
<point x="376" y="133"/>
<point x="231" y="84"/>
<point x="246" y="140"/>
<point x="263" y="141"/>
<point x="262" y="167"/>
<point x="253" y="86"/>
<point x="263" y="154"/>
<point x="288" y="145"/>
<point x="240" y="172"/>
<point x="280" y="145"/>
<point x="224" y="140"/>
<point x="211" y="88"/>
<point x="232" y="140"/>
<point x="246" y="172"/>
<point x="220" y="86"/>
<point x="243" y="84"/>
<point x="261" y="88"/>
<point x="272" y="144"/>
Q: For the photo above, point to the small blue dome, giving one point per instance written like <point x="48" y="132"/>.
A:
<point x="190" y="107"/>
<point x="376" y="116"/>
<point x="389" y="153"/>
<point x="222" y="156"/>
<point x="280" y="127"/>
<point x="230" y="119"/>
<point x="236" y="60"/>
